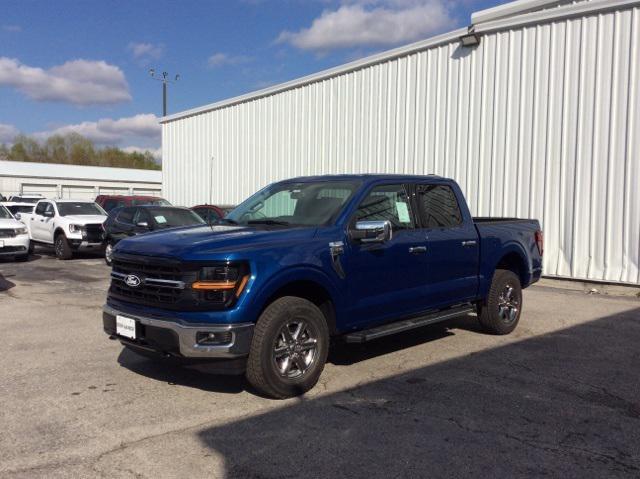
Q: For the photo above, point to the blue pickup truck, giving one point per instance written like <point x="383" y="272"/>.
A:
<point x="307" y="260"/>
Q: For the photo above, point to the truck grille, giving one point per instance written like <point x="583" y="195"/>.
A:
<point x="163" y="283"/>
<point x="93" y="233"/>
<point x="7" y="233"/>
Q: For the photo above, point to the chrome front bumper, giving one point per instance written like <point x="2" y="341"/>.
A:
<point x="237" y="347"/>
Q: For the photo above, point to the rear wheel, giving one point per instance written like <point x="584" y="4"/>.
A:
<point x="62" y="248"/>
<point x="289" y="348"/>
<point x="501" y="311"/>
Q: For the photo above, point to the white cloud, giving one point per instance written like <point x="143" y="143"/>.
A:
<point x="7" y="133"/>
<point x="222" y="59"/>
<point x="108" y="131"/>
<point x="81" y="82"/>
<point x="12" y="28"/>
<point x="144" y="53"/>
<point x="371" y="23"/>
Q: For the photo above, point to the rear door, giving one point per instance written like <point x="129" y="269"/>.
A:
<point x="122" y="225"/>
<point x="452" y="248"/>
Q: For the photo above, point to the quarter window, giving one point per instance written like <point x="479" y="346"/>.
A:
<point x="438" y="206"/>
<point x="386" y="203"/>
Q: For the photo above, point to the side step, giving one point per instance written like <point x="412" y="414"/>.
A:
<point x="407" y="324"/>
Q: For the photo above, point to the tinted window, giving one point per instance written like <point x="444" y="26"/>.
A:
<point x="140" y="216"/>
<point x="387" y="202"/>
<point x="438" y="206"/>
<point x="40" y="208"/>
<point x="150" y="201"/>
<point x="126" y="216"/>
<point x="20" y="209"/>
<point x="111" y="204"/>
<point x="4" y="213"/>
<point x="172" y="217"/>
<point x="209" y="215"/>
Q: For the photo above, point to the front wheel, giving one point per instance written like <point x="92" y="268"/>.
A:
<point x="500" y="313"/>
<point x="289" y="348"/>
<point x="108" y="253"/>
<point x="62" y="248"/>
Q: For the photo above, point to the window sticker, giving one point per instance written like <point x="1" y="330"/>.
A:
<point x="160" y="219"/>
<point x="403" y="212"/>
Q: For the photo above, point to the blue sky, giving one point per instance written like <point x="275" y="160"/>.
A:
<point x="83" y="65"/>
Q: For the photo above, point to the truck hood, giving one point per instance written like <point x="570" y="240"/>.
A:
<point x="10" y="223"/>
<point x="201" y="241"/>
<point x="85" y="219"/>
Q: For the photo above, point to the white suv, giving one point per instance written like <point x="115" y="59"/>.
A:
<point x="14" y="237"/>
<point x="67" y="225"/>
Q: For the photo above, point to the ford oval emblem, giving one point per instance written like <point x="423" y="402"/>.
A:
<point x="132" y="280"/>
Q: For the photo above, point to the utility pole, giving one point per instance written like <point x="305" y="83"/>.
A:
<point x="164" y="78"/>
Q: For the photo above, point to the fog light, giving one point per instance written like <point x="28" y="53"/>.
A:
<point x="204" y="338"/>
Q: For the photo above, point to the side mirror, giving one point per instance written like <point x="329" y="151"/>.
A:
<point x="142" y="224"/>
<point x="17" y="216"/>
<point x="371" y="231"/>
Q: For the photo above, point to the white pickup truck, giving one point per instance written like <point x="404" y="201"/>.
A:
<point x="67" y="225"/>
<point x="14" y="239"/>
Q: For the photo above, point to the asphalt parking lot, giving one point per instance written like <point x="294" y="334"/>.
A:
<point x="560" y="397"/>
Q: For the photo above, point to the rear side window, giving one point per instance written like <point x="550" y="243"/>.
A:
<point x="438" y="206"/>
<point x="126" y="216"/>
<point x="386" y="202"/>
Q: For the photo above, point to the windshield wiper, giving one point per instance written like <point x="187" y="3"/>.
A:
<point x="268" y="222"/>
<point x="227" y="220"/>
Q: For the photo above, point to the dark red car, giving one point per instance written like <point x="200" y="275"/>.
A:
<point x="109" y="202"/>
<point x="209" y="213"/>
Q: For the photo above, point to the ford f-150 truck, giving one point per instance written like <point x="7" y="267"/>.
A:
<point x="67" y="225"/>
<point x="350" y="257"/>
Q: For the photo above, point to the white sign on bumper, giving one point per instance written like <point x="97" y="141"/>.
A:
<point x="126" y="327"/>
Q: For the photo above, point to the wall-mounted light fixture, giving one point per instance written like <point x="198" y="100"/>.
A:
<point x="470" y="39"/>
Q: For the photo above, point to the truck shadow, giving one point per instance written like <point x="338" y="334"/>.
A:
<point x="5" y="284"/>
<point x="563" y="404"/>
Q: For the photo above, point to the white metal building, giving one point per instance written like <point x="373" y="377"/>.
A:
<point x="540" y="120"/>
<point x="77" y="182"/>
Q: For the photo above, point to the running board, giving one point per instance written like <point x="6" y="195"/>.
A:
<point x="407" y="324"/>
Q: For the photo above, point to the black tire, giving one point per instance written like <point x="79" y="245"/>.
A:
<point x="500" y="313"/>
<point x="108" y="250"/>
<point x="22" y="258"/>
<point x="32" y="247"/>
<point x="266" y="369"/>
<point x="62" y="248"/>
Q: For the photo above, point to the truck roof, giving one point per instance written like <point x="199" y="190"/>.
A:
<point x="364" y="177"/>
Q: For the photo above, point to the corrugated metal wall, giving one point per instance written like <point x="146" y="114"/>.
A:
<point x="542" y="120"/>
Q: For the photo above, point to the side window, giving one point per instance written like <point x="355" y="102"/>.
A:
<point x="49" y="208"/>
<point x="110" y="204"/>
<point x="40" y="208"/>
<point x="126" y="216"/>
<point x="438" y="206"/>
<point x="386" y="202"/>
<point x="140" y="216"/>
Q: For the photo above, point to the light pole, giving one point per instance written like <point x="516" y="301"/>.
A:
<point x="164" y="79"/>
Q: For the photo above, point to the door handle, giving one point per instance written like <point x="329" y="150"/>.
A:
<point x="417" y="249"/>
<point x="469" y="243"/>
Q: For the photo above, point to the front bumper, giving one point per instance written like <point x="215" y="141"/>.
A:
<point x="178" y="338"/>
<point x="16" y="246"/>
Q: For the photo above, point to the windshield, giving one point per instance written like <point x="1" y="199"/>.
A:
<point x="20" y="209"/>
<point x="79" y="208"/>
<point x="154" y="202"/>
<point x="172" y="217"/>
<point x="22" y="199"/>
<point x="297" y="204"/>
<point x="4" y="213"/>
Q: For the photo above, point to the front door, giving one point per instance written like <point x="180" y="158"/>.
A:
<point x="385" y="280"/>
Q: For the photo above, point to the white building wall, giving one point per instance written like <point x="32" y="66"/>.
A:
<point x="542" y="120"/>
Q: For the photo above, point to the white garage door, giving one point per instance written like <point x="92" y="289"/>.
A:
<point x="146" y="192"/>
<point x="107" y="190"/>
<point x="78" y="192"/>
<point x="48" y="191"/>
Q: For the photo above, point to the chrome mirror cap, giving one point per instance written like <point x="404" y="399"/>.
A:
<point x="372" y="231"/>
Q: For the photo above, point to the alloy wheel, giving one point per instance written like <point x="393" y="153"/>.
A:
<point x="295" y="349"/>
<point x="508" y="304"/>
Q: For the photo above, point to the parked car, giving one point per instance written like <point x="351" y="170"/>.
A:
<point x="26" y="198"/>
<point x="109" y="202"/>
<point x="209" y="213"/>
<point x="18" y="208"/>
<point x="134" y="220"/>
<point x="354" y="257"/>
<point x="14" y="237"/>
<point x="67" y="225"/>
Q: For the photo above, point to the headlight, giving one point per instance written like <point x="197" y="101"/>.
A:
<point x="222" y="284"/>
<point x="76" y="228"/>
<point x="21" y="231"/>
